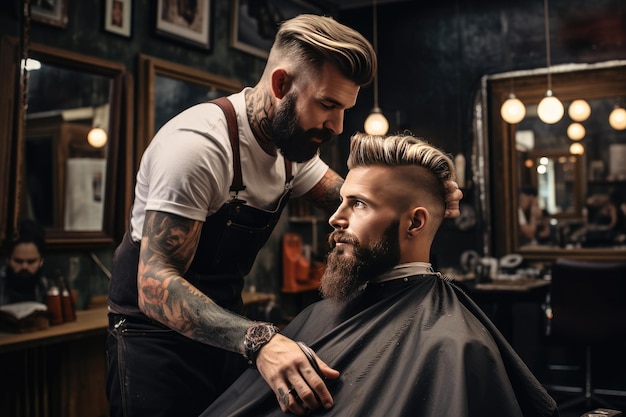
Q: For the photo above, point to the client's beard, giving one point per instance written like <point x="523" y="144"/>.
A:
<point x="295" y="143"/>
<point x="345" y="274"/>
<point x="22" y="282"/>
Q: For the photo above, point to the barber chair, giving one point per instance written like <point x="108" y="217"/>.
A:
<point x="587" y="308"/>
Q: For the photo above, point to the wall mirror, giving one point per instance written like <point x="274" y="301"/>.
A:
<point x="167" y="88"/>
<point x="70" y="181"/>
<point x="571" y="172"/>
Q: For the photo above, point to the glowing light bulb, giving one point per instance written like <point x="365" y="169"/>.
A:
<point x="97" y="137"/>
<point x="579" y="110"/>
<point x="376" y="123"/>
<point x="576" y="148"/>
<point x="512" y="110"/>
<point x="617" y="118"/>
<point x="550" y="109"/>
<point x="576" y="131"/>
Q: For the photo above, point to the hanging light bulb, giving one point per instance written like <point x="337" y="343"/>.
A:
<point x="576" y="148"/>
<point x="617" y="118"/>
<point x="97" y="137"/>
<point x="513" y="110"/>
<point x="376" y="123"/>
<point x="550" y="109"/>
<point x="576" y="131"/>
<point x="579" y="110"/>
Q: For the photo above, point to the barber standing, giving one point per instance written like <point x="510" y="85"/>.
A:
<point x="210" y="189"/>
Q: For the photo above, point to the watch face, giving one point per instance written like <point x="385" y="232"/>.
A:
<point x="257" y="336"/>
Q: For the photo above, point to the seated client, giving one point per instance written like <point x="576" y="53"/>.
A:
<point x="407" y="341"/>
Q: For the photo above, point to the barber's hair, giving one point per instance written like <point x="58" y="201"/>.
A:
<point x="29" y="232"/>
<point x="404" y="150"/>
<point x="312" y="40"/>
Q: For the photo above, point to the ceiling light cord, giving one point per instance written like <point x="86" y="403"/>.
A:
<point x="546" y="21"/>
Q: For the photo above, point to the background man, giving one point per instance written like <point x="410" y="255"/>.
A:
<point x="22" y="278"/>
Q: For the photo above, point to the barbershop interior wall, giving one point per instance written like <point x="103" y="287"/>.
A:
<point x="432" y="57"/>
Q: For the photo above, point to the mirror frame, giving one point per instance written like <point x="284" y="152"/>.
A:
<point x="496" y="143"/>
<point x="119" y="159"/>
<point x="9" y="114"/>
<point x="149" y="68"/>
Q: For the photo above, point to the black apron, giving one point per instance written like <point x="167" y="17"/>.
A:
<point x="229" y="242"/>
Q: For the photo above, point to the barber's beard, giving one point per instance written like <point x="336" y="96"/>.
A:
<point x="295" y="143"/>
<point x="22" y="282"/>
<point x="346" y="273"/>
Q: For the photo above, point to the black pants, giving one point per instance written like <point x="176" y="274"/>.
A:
<point x="155" y="371"/>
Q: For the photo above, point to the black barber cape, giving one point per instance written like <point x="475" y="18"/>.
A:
<point x="416" y="346"/>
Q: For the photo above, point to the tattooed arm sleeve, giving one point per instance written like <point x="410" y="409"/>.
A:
<point x="168" y="246"/>
<point x="325" y="194"/>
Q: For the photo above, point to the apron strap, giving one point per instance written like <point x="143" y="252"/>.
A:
<point x="233" y="135"/>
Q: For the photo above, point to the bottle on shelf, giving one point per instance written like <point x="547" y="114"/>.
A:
<point x="67" y="302"/>
<point x="53" y="300"/>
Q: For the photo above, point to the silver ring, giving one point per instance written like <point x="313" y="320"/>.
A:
<point x="296" y="397"/>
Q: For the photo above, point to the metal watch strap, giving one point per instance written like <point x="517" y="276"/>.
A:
<point x="256" y="337"/>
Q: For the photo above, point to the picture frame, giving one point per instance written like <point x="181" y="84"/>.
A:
<point x="118" y="17"/>
<point x="191" y="26"/>
<point x="51" y="12"/>
<point x="253" y="25"/>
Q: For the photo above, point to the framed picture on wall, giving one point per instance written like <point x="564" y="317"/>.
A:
<point x="186" y="21"/>
<point x="254" y="23"/>
<point x="52" y="12"/>
<point x="118" y="17"/>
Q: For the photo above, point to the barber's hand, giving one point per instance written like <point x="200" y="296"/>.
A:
<point x="290" y="375"/>
<point x="453" y="198"/>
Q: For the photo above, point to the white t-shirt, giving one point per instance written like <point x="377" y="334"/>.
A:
<point x="187" y="168"/>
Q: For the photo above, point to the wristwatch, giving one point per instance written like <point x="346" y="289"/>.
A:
<point x="256" y="337"/>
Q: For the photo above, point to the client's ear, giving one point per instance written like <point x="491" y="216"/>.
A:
<point x="419" y="219"/>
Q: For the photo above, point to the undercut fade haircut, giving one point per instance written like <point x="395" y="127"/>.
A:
<point x="313" y="40"/>
<point x="405" y="150"/>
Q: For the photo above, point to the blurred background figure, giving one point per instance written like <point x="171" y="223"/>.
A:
<point x="22" y="279"/>
<point x="533" y="226"/>
<point x="602" y="221"/>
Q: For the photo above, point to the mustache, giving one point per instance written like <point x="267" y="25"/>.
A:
<point x="324" y="135"/>
<point x="341" y="236"/>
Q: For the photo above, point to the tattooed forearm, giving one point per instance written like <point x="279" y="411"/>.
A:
<point x="167" y="249"/>
<point x="326" y="192"/>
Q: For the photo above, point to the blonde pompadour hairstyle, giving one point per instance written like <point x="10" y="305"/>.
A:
<point x="405" y="150"/>
<point x="310" y="41"/>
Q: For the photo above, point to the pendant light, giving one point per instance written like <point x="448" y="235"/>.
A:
<point x="97" y="137"/>
<point x="576" y="131"/>
<point x="512" y="110"/>
<point x="376" y="123"/>
<point x="576" y="148"/>
<point x="617" y="118"/>
<point x="579" y="110"/>
<point x="550" y="109"/>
